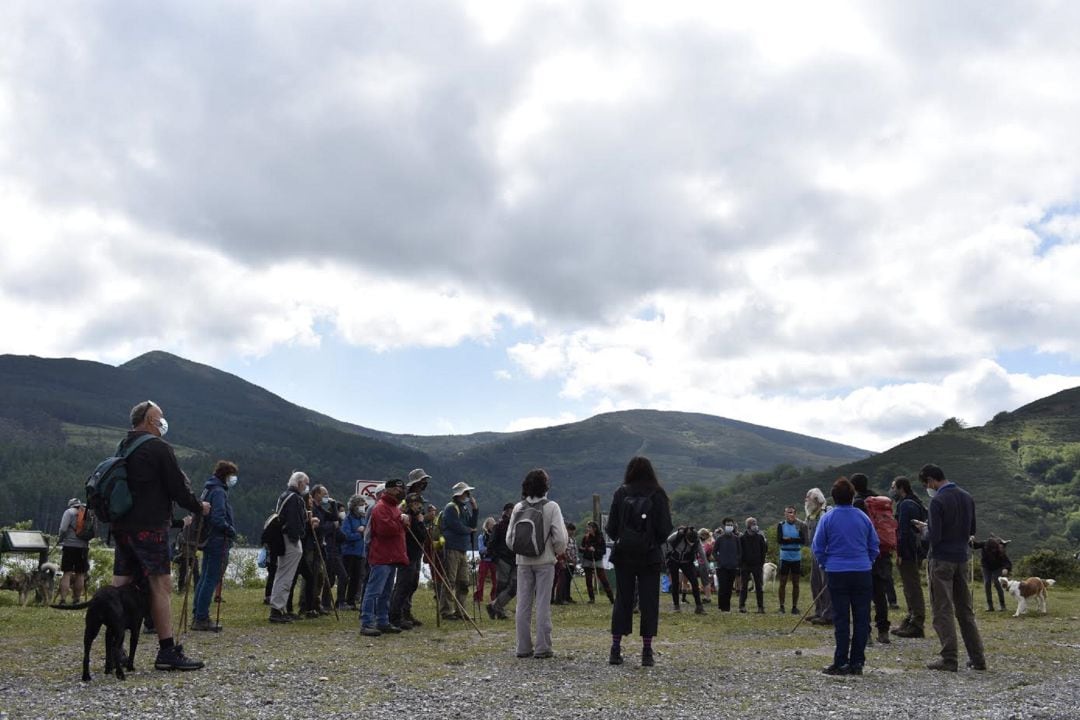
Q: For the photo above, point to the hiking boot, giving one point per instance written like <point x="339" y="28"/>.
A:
<point x="404" y="624"/>
<point x="615" y="656"/>
<point x="781" y="610"/>
<point x="942" y="664"/>
<point x="592" y="601"/>
<point x="388" y="628"/>
<point x="761" y="611"/>
<point x="415" y="623"/>
<point x="174" y="659"/>
<point x="742" y="608"/>
<point x="855" y="670"/>
<point x="678" y="608"/>
<point x="205" y="626"/>
<point x="894" y="606"/>
<point x="835" y="669"/>
<point x="911" y="631"/>
<point x="795" y="610"/>
<point x="820" y="621"/>
<point x="699" y="610"/>
<point x="980" y="666"/>
<point x="276" y="616"/>
<point x="544" y="655"/>
<point x="647" y="658"/>
<point x="369" y="631"/>
<point x="490" y="610"/>
<point x="883" y="636"/>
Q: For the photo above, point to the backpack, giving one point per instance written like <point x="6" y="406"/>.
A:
<point x="107" y="491"/>
<point x="273" y="533"/>
<point x="85" y="528"/>
<point x="530" y="535"/>
<point x="879" y="508"/>
<point x="922" y="537"/>
<point x="636" y="538"/>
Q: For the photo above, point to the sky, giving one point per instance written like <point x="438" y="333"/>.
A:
<point x="850" y="220"/>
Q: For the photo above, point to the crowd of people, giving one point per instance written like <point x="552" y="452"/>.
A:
<point x="368" y="555"/>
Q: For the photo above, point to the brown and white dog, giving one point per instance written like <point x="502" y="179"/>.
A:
<point x="1024" y="590"/>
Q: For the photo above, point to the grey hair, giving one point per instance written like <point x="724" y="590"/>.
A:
<point x="296" y="477"/>
<point x="816" y="495"/>
<point x="138" y="413"/>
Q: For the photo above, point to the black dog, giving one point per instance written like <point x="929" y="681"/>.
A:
<point x="118" y="609"/>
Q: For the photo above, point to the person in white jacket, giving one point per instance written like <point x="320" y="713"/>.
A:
<point x="542" y="543"/>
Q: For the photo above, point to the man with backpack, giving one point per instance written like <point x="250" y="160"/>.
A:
<point x="141" y="535"/>
<point x="283" y="536"/>
<point x="909" y="557"/>
<point x="879" y="509"/>
<point x="458" y="525"/>
<point x="76" y="530"/>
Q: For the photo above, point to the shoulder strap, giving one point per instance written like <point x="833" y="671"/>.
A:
<point x="131" y="447"/>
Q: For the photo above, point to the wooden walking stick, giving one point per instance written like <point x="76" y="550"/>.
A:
<point x="447" y="588"/>
<point x="813" y="603"/>
<point x="325" y="573"/>
<point x="189" y="558"/>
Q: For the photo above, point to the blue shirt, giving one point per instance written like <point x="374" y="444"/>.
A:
<point x="790" y="551"/>
<point x="845" y="540"/>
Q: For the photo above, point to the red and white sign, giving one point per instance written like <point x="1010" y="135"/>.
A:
<point x="367" y="489"/>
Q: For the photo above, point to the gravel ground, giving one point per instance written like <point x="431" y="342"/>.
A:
<point x="323" y="669"/>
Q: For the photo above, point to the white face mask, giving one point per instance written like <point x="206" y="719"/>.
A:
<point x="305" y="491"/>
<point x="163" y="426"/>
<point x="231" y="481"/>
<point x="728" y="529"/>
<point x="341" y="515"/>
<point x="930" y="491"/>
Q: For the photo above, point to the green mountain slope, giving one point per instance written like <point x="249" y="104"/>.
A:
<point x="1022" y="468"/>
<point x="58" y="418"/>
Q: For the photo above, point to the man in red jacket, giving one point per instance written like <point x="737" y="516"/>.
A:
<point x="386" y="552"/>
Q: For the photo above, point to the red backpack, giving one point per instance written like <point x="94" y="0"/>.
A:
<point x="879" y="508"/>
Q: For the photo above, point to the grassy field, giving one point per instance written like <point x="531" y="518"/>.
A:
<point x="740" y="663"/>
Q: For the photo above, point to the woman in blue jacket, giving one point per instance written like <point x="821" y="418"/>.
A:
<point x="219" y="539"/>
<point x="353" y="551"/>
<point x="846" y="546"/>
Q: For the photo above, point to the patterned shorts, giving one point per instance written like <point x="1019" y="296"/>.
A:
<point x="141" y="552"/>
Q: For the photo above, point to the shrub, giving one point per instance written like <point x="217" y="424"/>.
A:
<point x="1047" y="564"/>
<point x="1058" y="474"/>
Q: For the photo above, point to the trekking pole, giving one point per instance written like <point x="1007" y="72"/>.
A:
<point x="221" y="581"/>
<point x="813" y="603"/>
<point x="182" y="624"/>
<point x="447" y="588"/>
<point x="326" y="575"/>
<point x="573" y="584"/>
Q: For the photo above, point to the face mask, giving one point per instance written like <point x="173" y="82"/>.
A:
<point x="325" y="502"/>
<point x="163" y="426"/>
<point x="752" y="528"/>
<point x="341" y="515"/>
<point x="358" y="511"/>
<point x="231" y="481"/>
<point x="305" y="491"/>
<point x="930" y="491"/>
<point x="728" y="529"/>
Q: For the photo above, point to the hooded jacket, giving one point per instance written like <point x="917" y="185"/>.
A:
<point x="387" y="545"/>
<point x="220" y="518"/>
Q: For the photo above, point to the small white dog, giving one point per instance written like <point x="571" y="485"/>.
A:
<point x="1023" y="590"/>
<point x="768" y="573"/>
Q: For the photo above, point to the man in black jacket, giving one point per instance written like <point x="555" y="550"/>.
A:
<point x="751" y="562"/>
<point x="408" y="576"/>
<point x="505" y="566"/>
<point x="142" y="535"/>
<point x="294" y="523"/>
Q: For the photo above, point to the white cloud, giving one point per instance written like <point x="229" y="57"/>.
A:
<point x="533" y="422"/>
<point x="829" y="220"/>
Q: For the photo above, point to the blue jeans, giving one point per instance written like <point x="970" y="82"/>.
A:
<point x="376" y="607"/>
<point x="214" y="560"/>
<point x="851" y="593"/>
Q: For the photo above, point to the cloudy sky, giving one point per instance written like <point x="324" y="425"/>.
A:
<point x="851" y="220"/>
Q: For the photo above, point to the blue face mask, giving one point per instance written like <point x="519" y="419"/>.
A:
<point x="325" y="502"/>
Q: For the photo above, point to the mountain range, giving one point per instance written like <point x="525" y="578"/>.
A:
<point x="59" y="417"/>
